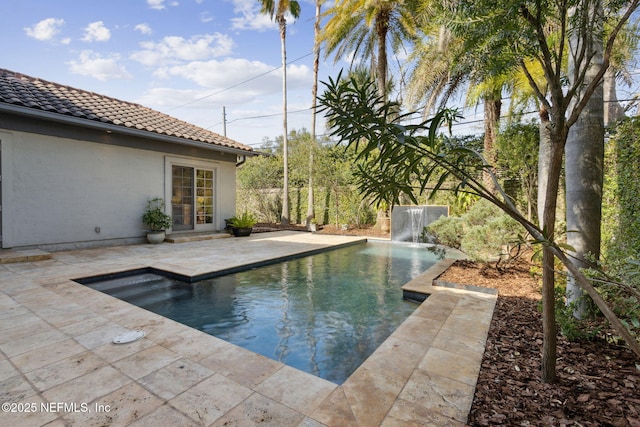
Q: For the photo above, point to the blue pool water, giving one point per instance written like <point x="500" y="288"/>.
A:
<point x="323" y="314"/>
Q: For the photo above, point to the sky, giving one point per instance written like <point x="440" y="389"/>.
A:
<point x="185" y="58"/>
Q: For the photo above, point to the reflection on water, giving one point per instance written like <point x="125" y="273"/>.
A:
<point x="323" y="314"/>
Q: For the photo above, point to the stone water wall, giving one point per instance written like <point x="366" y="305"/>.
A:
<point x="407" y="222"/>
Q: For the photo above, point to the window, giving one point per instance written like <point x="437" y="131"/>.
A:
<point x="204" y="196"/>
<point x="192" y="198"/>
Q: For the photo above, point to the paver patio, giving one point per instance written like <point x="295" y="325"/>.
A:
<point x="58" y="366"/>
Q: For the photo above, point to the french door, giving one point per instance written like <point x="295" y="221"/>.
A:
<point x="192" y="199"/>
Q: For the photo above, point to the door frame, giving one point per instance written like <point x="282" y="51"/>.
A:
<point x="196" y="164"/>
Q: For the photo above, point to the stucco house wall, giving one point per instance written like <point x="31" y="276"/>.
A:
<point x="59" y="190"/>
<point x="65" y="192"/>
<point x="73" y="180"/>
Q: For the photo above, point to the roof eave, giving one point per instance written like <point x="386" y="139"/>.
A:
<point x="111" y="128"/>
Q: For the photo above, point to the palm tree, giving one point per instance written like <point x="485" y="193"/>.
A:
<point x="363" y="28"/>
<point x="442" y="70"/>
<point x="314" y="95"/>
<point x="278" y="10"/>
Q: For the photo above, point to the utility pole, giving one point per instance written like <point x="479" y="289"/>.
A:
<point x="224" y="121"/>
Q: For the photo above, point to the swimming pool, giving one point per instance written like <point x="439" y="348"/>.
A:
<point x="323" y="314"/>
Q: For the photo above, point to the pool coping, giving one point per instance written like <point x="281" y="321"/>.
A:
<point x="424" y="373"/>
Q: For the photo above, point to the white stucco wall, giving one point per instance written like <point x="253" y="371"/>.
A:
<point x="56" y="191"/>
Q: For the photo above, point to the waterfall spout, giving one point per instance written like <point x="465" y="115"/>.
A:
<point x="417" y="220"/>
<point x="408" y="222"/>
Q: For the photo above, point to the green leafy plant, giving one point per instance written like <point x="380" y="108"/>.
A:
<point x="447" y="231"/>
<point x="244" y="220"/>
<point x="154" y="217"/>
<point x="481" y="233"/>
<point x="621" y="223"/>
<point x="572" y="328"/>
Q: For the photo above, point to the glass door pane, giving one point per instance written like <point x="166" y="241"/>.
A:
<point x="204" y="196"/>
<point x="182" y="198"/>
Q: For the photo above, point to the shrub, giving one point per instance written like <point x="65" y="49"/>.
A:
<point x="245" y="220"/>
<point x="481" y="233"/>
<point x="447" y="231"/>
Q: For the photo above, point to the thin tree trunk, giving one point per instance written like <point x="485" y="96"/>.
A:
<point x="284" y="219"/>
<point x="549" y="345"/>
<point x="314" y="95"/>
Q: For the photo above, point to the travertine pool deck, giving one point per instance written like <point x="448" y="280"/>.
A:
<point x="58" y="366"/>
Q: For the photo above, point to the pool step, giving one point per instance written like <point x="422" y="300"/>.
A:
<point x="114" y="285"/>
<point x="172" y="295"/>
<point x="143" y="290"/>
<point x="134" y="292"/>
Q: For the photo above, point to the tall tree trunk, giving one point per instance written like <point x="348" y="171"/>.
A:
<point x="382" y="28"/>
<point x="492" y="107"/>
<point x="584" y="159"/>
<point x="284" y="219"/>
<point x="314" y="95"/>
<point x="613" y="111"/>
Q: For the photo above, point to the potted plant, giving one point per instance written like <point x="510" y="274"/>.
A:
<point x="242" y="225"/>
<point x="157" y="221"/>
<point x="312" y="225"/>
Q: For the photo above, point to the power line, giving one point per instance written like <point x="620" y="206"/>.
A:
<point x="237" y="84"/>
<point x="269" y="115"/>
<point x="462" y="123"/>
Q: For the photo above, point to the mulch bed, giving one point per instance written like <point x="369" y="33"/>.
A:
<point x="598" y="382"/>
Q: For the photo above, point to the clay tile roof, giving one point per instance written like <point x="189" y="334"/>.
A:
<point x="19" y="89"/>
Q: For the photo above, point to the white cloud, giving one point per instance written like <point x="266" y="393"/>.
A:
<point x="159" y="4"/>
<point x="168" y="97"/>
<point x="206" y="17"/>
<point x="45" y="30"/>
<point x="96" y="32"/>
<point x="156" y="4"/>
<point x="174" y="49"/>
<point x="250" y="17"/>
<point x="143" y="28"/>
<point x="240" y="80"/>
<point x="93" y="64"/>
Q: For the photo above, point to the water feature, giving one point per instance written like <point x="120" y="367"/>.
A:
<point x="323" y="314"/>
<point x="417" y="223"/>
<point x="408" y="222"/>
